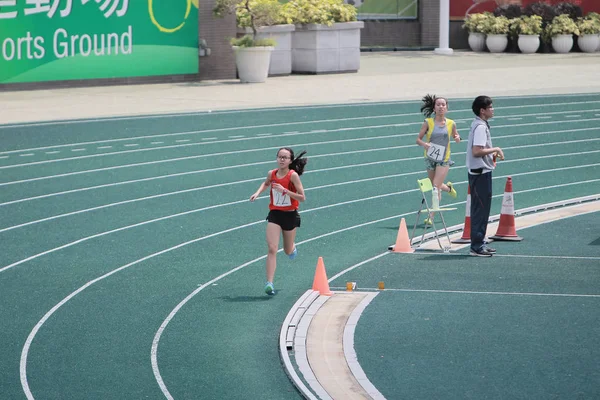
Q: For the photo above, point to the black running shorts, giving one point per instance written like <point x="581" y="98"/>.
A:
<point x="287" y="220"/>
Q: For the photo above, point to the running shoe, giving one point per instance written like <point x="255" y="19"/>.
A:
<point x="452" y="192"/>
<point x="269" y="288"/>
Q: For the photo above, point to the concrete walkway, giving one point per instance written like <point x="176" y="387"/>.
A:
<point x="382" y="77"/>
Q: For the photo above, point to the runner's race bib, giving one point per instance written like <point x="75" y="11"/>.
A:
<point x="281" y="200"/>
<point x="436" y="152"/>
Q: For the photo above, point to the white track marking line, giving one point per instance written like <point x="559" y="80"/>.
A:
<point x="272" y="109"/>
<point x="291" y="123"/>
<point x="33" y="333"/>
<point x="256" y="150"/>
<point x="304" y="211"/>
<point x="265" y="162"/>
<point x="480" y="292"/>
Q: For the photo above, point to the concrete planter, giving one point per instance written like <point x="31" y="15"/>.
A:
<point x="252" y="63"/>
<point x="496" y="43"/>
<point x="325" y="49"/>
<point x="529" y="43"/>
<point x="477" y="41"/>
<point x="588" y="43"/>
<point x="281" y="57"/>
<point x="562" y="43"/>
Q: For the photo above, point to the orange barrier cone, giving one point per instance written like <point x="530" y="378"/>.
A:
<point x="466" y="236"/>
<point x="506" y="226"/>
<point x="402" y="241"/>
<point x="320" y="283"/>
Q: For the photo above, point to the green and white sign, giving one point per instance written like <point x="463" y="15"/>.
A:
<point x="385" y="9"/>
<point x="48" y="40"/>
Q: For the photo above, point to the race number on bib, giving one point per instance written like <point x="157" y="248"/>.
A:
<point x="436" y="152"/>
<point x="281" y="200"/>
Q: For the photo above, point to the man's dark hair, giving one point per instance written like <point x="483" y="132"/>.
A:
<point x="481" y="102"/>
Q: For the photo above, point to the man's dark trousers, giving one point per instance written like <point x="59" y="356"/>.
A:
<point x="481" y="203"/>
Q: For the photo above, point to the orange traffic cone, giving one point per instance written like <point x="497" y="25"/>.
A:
<point x="466" y="236"/>
<point x="506" y="226"/>
<point x="320" y="283"/>
<point x="402" y="241"/>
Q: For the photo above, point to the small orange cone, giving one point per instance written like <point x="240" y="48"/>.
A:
<point x="402" y="241"/>
<point x="466" y="236"/>
<point x="320" y="283"/>
<point x="506" y="226"/>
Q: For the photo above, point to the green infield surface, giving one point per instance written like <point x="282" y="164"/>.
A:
<point x="133" y="262"/>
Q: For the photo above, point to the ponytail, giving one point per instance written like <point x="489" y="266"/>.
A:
<point x="428" y="105"/>
<point x="297" y="163"/>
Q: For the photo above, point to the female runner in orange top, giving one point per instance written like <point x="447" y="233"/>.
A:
<point x="286" y="194"/>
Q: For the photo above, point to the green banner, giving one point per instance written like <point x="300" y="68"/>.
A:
<point x="385" y="9"/>
<point x="49" y="40"/>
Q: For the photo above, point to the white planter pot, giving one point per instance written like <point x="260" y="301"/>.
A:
<point x="252" y="63"/>
<point x="562" y="43"/>
<point x="528" y="43"/>
<point x="477" y="41"/>
<point x="588" y="43"/>
<point x="324" y="49"/>
<point x="281" y="57"/>
<point x="496" y="43"/>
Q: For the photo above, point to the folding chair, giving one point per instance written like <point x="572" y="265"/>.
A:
<point x="426" y="190"/>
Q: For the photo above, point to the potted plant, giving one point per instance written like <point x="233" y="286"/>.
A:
<point x="589" y="33"/>
<point x="475" y="25"/>
<point x="280" y="32"/>
<point x="327" y="36"/>
<point x="496" y="29"/>
<point x="561" y="31"/>
<point x="252" y="54"/>
<point x="528" y="29"/>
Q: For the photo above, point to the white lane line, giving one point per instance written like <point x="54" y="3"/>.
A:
<point x="573" y="116"/>
<point x="259" y="163"/>
<point x="315" y="156"/>
<point x="552" y="257"/>
<point x="514" y="119"/>
<point x="131" y="145"/>
<point x="182" y="140"/>
<point x="270" y="134"/>
<point x="209" y="138"/>
<point x="26" y="155"/>
<point x="304" y="211"/>
<point x="289" y="108"/>
<point x="33" y="333"/>
<point x="493" y="293"/>
<point x="104" y="147"/>
<point x="31" y="336"/>
<point x="543" y="117"/>
<point x="264" y="149"/>
<point x="3" y="157"/>
<point x="302" y="123"/>
<point x="254" y="180"/>
<point x="77" y="149"/>
<point x="156" y="142"/>
<point x="53" y="152"/>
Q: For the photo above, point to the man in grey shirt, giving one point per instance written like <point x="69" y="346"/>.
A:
<point x="480" y="164"/>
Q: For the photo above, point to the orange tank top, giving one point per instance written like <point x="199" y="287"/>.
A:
<point x="278" y="201"/>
